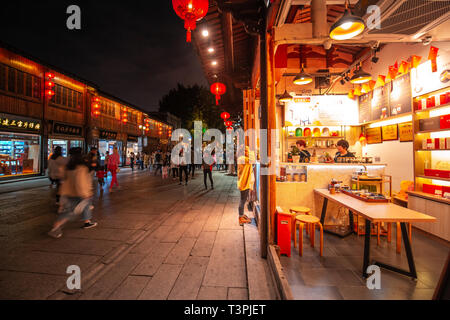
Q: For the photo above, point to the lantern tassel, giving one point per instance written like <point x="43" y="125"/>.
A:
<point x="217" y="100"/>
<point x="188" y="36"/>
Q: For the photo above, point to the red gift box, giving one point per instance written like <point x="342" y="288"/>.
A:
<point x="431" y="102"/>
<point x="445" y="189"/>
<point x="443" y="173"/>
<point x="445" y="121"/>
<point x="431" y="188"/>
<point x="443" y="99"/>
<point x="431" y="172"/>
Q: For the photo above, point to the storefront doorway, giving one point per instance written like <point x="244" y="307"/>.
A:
<point x="20" y="152"/>
<point x="108" y="146"/>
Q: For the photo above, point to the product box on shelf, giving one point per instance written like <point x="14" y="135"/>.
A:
<point x="431" y="172"/>
<point x="429" y="124"/>
<point x="447" y="143"/>
<point x="445" y="121"/>
<point x="432" y="189"/>
<point x="442" y="143"/>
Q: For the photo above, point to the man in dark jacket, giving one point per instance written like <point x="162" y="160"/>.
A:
<point x="92" y="160"/>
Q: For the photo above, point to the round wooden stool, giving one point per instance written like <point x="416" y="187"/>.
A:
<point x="295" y="211"/>
<point x="311" y="222"/>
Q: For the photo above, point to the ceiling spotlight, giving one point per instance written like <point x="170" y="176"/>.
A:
<point x="375" y="59"/>
<point x="205" y="33"/>
<point x="211" y="50"/>
<point x="347" y="78"/>
<point x="214" y="63"/>
<point x="427" y="40"/>
<point x="348" y="26"/>
<point x="342" y="81"/>
<point x="360" y="76"/>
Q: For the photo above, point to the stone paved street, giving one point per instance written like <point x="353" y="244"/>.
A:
<point x="155" y="240"/>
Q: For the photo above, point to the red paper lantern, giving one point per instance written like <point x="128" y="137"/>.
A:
<point x="49" y="84"/>
<point x="225" y="115"/>
<point x="229" y="128"/>
<point x="228" y="123"/>
<point x="190" y="11"/>
<point x="218" y="89"/>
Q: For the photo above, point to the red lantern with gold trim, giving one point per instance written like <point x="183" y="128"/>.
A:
<point x="225" y="115"/>
<point x="228" y="123"/>
<point x="218" y="89"/>
<point x="190" y="11"/>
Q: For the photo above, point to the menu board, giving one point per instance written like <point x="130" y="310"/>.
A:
<point x="373" y="135"/>
<point x="380" y="103"/>
<point x="400" y="95"/>
<point x="405" y="131"/>
<point x="329" y="110"/>
<point x="390" y="132"/>
<point x="423" y="80"/>
<point x="364" y="108"/>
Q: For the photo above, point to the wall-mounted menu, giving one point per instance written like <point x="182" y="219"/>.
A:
<point x="364" y="108"/>
<point x="380" y="103"/>
<point x="400" y="95"/>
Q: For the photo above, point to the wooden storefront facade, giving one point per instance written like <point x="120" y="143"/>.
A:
<point x="32" y="123"/>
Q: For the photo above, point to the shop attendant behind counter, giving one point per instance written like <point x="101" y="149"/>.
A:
<point x="343" y="152"/>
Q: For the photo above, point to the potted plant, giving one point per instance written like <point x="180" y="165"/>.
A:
<point x="295" y="152"/>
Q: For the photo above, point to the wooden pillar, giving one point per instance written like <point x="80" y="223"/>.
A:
<point x="272" y="125"/>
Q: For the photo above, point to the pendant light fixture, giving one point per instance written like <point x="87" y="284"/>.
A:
<point x="302" y="78"/>
<point x="348" y="26"/>
<point x="360" y="76"/>
<point x="285" y="97"/>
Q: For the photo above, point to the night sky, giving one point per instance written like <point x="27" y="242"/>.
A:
<point x="135" y="50"/>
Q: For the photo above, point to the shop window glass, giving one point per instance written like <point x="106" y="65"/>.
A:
<point x="70" y="98"/>
<point x="29" y="86"/>
<point x="20" y="82"/>
<point x="2" y="77"/>
<point x="11" y="80"/>
<point x="19" y="154"/>
<point x="64" y="96"/>
<point x="58" y="94"/>
<point x="36" y="87"/>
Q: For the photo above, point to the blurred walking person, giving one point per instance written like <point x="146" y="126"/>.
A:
<point x="76" y="194"/>
<point x="132" y="161"/>
<point x="113" y="166"/>
<point x="245" y="182"/>
<point x="183" y="168"/>
<point x="207" y="171"/>
<point x="106" y="163"/>
<point x="56" y="165"/>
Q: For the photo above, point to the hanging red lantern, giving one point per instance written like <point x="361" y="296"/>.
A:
<point x="228" y="123"/>
<point x="190" y="11"/>
<point x="229" y="128"/>
<point x="96" y="106"/>
<point x="225" y="115"/>
<point x="49" y="84"/>
<point x="218" y="89"/>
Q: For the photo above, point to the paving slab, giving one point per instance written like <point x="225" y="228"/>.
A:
<point x="212" y="293"/>
<point x="130" y="289"/>
<point x="154" y="259"/>
<point x="159" y="287"/>
<point x="227" y="264"/>
<point x="204" y="245"/>
<point x="181" y="251"/>
<point x="190" y="279"/>
<point x="237" y="294"/>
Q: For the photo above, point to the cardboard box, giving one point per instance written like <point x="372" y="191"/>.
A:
<point x="429" y="124"/>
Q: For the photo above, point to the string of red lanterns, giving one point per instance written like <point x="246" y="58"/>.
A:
<point x="49" y="84"/>
<point x="190" y="11"/>
<point x="96" y="106"/>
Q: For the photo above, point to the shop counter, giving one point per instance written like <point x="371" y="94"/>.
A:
<point x="301" y="193"/>
<point x="374" y="213"/>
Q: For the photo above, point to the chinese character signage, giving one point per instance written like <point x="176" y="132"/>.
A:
<point x="60" y="128"/>
<point x="108" y="135"/>
<point x="18" y="123"/>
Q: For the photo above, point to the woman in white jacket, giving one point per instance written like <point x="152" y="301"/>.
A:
<point x="56" y="165"/>
<point x="76" y="194"/>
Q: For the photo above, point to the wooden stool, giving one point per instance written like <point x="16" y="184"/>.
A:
<point x="379" y="232"/>
<point x="311" y="222"/>
<point x="295" y="211"/>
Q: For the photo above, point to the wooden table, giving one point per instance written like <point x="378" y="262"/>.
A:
<point x="373" y="213"/>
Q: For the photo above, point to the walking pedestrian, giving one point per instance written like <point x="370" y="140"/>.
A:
<point x="132" y="161"/>
<point x="245" y="182"/>
<point x="207" y="171"/>
<point x="158" y="163"/>
<point x="101" y="177"/>
<point x="183" y="168"/>
<point x="113" y="166"/>
<point x="146" y="160"/>
<point x="76" y="194"/>
<point x="141" y="160"/>
<point x="106" y="163"/>
<point x="56" y="166"/>
<point x="192" y="165"/>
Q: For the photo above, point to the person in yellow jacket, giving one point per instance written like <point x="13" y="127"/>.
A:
<point x="245" y="182"/>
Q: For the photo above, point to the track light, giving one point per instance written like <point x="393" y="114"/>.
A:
<point x="342" y="81"/>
